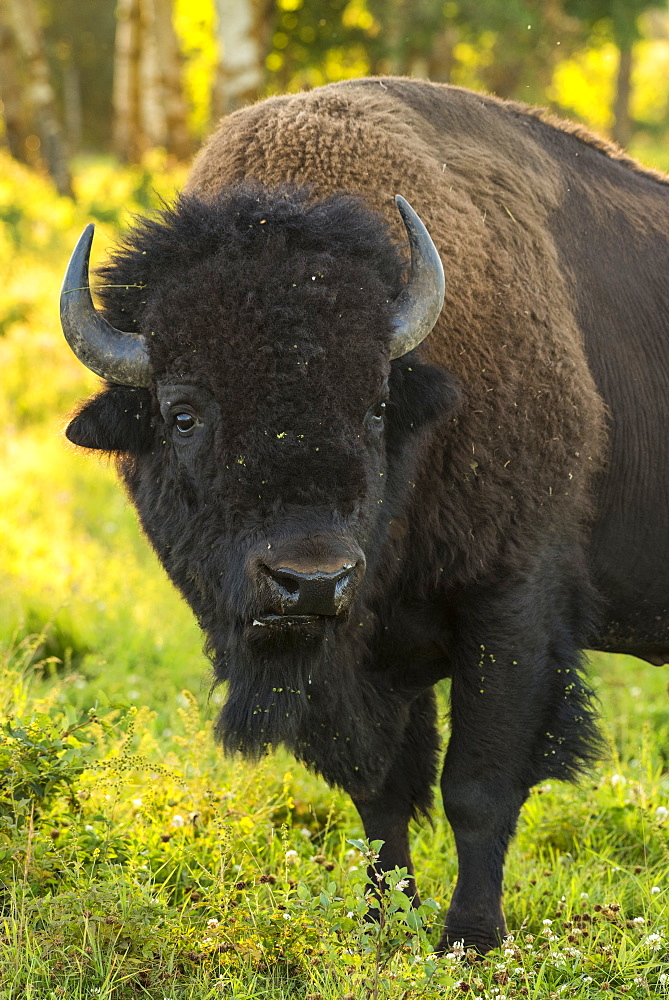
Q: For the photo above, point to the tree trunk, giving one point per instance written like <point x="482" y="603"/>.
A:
<point x="622" y="125"/>
<point x="40" y="93"/>
<point x="176" y="138"/>
<point x="12" y="89"/>
<point x="72" y="96"/>
<point x="394" y="32"/>
<point x="149" y="105"/>
<point x="241" y="70"/>
<point x="441" y="59"/>
<point x="129" y="140"/>
<point x="151" y="98"/>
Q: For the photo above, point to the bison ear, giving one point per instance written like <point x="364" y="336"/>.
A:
<point x="420" y="393"/>
<point x="119" y="419"/>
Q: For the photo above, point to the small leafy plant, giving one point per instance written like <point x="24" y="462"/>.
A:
<point x="370" y="946"/>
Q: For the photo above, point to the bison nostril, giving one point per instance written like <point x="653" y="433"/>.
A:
<point x="287" y="581"/>
<point x="315" y="592"/>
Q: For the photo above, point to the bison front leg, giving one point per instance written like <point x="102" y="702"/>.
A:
<point x="405" y="793"/>
<point x="483" y="810"/>
<point x="519" y="714"/>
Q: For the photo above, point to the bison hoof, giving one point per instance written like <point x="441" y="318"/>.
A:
<point x="462" y="939"/>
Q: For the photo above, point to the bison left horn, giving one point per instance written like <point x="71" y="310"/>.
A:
<point x="116" y="356"/>
<point x="417" y="307"/>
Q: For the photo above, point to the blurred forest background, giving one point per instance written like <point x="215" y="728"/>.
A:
<point x="125" y="77"/>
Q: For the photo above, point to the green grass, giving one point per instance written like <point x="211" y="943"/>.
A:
<point x="134" y="860"/>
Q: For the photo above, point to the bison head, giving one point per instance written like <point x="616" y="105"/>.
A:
<point x="267" y="415"/>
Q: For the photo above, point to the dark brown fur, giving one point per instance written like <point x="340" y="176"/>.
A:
<point x="507" y="329"/>
<point x="484" y="524"/>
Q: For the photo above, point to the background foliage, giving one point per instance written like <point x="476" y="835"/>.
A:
<point x="605" y="62"/>
<point x="134" y="860"/>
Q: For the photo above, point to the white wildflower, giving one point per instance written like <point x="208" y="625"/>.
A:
<point x="618" y="779"/>
<point x="661" y="813"/>
<point x="306" y="833"/>
<point x="585" y="895"/>
<point x="655" y="890"/>
<point x="547" y="922"/>
<point x="402" y="884"/>
<point x="654" y="941"/>
<point x="291" y="854"/>
<point x="662" y="978"/>
<point x="458" y="949"/>
<point x="212" y="923"/>
<point x="638" y="920"/>
<point x="137" y="802"/>
<point x="286" y="916"/>
<point x="178" y="820"/>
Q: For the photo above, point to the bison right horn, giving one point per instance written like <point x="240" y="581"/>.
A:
<point x="417" y="307"/>
<point x="119" y="357"/>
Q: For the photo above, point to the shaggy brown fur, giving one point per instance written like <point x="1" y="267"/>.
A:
<point x="519" y="460"/>
<point x="530" y="432"/>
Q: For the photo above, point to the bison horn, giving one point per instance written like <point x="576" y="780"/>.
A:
<point x="119" y="357"/>
<point x="418" y="305"/>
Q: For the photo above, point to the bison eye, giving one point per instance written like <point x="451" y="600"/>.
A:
<point x="378" y="413"/>
<point x="374" y="416"/>
<point x="185" y="422"/>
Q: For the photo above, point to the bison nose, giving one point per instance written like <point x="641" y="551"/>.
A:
<point x="294" y="591"/>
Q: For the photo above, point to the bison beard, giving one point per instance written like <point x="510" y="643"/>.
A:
<point x="342" y="722"/>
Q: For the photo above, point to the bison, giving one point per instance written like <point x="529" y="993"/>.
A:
<point x="361" y="492"/>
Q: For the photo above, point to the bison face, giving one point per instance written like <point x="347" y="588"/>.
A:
<point x="271" y="442"/>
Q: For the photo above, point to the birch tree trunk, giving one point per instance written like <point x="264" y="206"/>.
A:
<point x="622" y="124"/>
<point x="12" y="89"/>
<point x="39" y="92"/>
<point x="129" y="140"/>
<point x="163" y="43"/>
<point x="149" y="105"/>
<point x="241" y="68"/>
<point x="152" y="111"/>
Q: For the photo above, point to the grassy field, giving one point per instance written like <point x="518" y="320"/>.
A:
<point x="134" y="859"/>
